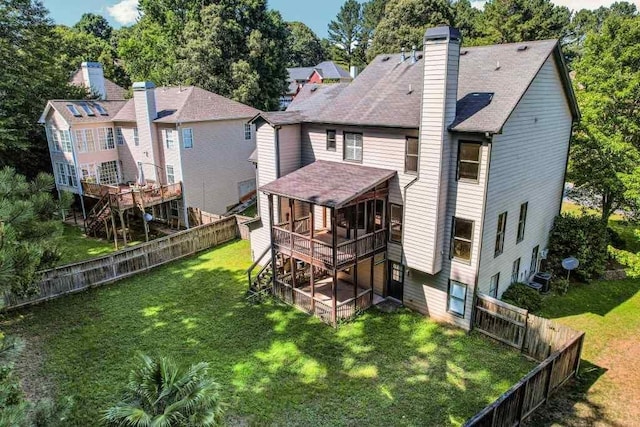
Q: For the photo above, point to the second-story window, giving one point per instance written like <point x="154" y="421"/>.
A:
<point x="469" y="160"/>
<point x="119" y="136"/>
<point x="515" y="271"/>
<point x="169" y="138"/>
<point x="187" y="138"/>
<point x="502" y="228"/>
<point x="84" y="141"/>
<point x="331" y="140"/>
<point x="65" y="141"/>
<point x="353" y="147"/>
<point x="411" y="156"/>
<point x="54" y="138"/>
<point x="247" y="131"/>
<point x="105" y="139"/>
<point x="522" y="221"/>
<point x="462" y="239"/>
<point x="395" y="233"/>
<point x="136" y="137"/>
<point x="171" y="176"/>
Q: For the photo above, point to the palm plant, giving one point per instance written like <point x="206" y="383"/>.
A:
<point x="159" y="394"/>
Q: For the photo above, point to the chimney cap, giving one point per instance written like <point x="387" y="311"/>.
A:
<point x="143" y="85"/>
<point x="443" y="32"/>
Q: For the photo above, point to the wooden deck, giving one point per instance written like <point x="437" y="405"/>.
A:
<point x="125" y="197"/>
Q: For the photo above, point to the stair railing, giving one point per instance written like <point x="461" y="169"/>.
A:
<point x="255" y="264"/>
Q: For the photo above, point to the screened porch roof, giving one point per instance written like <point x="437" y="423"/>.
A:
<point x="329" y="184"/>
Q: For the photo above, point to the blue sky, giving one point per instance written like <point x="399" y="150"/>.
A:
<point x="316" y="14"/>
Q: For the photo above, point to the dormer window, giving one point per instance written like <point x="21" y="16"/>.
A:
<point x="87" y="109"/>
<point x="100" y="109"/>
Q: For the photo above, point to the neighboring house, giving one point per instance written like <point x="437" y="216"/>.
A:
<point x="427" y="179"/>
<point x="182" y="147"/>
<point x="323" y="73"/>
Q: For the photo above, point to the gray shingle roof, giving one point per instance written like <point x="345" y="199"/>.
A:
<point x="388" y="93"/>
<point x="329" y="184"/>
<point x="312" y="97"/>
<point x="331" y="70"/>
<point x="280" y="118"/>
<point x="190" y="104"/>
<point x="111" y="108"/>
<point x="114" y="92"/>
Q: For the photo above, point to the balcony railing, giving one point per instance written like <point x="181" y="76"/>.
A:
<point x="128" y="197"/>
<point x="316" y="250"/>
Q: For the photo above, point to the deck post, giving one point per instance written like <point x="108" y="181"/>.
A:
<point x="124" y="228"/>
<point x="273" y="249"/>
<point x="373" y="262"/>
<point x="334" y="238"/>
<point x="311" y="275"/>
<point x="355" y="267"/>
<point x="292" y="219"/>
<point x="115" y="230"/>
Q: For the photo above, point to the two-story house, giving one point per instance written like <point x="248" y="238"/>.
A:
<point x="429" y="178"/>
<point x="326" y="72"/>
<point x="163" y="151"/>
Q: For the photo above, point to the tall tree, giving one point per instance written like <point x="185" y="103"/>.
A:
<point x="238" y="49"/>
<point x="304" y="47"/>
<point x="606" y="148"/>
<point x="345" y="33"/>
<point x="96" y="25"/>
<point x="29" y="75"/>
<point x="405" y="22"/>
<point x="29" y="227"/>
<point x="508" y="21"/>
<point x="372" y="13"/>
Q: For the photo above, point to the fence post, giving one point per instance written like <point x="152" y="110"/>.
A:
<point x="113" y="265"/>
<point x="547" y="390"/>
<point x="578" y="355"/>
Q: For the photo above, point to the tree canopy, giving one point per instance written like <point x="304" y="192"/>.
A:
<point x="345" y="34"/>
<point x="304" y="46"/>
<point x="96" y="25"/>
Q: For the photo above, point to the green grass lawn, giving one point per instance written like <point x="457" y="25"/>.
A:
<point x="75" y="246"/>
<point x="607" y="391"/>
<point x="276" y="365"/>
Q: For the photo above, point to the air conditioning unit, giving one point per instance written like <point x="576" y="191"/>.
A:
<point x="541" y="282"/>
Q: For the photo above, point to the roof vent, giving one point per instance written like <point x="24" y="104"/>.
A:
<point x="522" y="48"/>
<point x="414" y="59"/>
<point x="403" y="57"/>
<point x="314" y="88"/>
<point x="410" y="89"/>
<point x="385" y="58"/>
<point x="463" y="52"/>
<point x="497" y="65"/>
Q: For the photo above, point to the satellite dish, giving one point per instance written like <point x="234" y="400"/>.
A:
<point x="569" y="264"/>
<point x="147" y="217"/>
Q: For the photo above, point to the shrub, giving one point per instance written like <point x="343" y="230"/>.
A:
<point x="615" y="239"/>
<point x="630" y="260"/>
<point x="523" y="296"/>
<point x="560" y="286"/>
<point x="585" y="238"/>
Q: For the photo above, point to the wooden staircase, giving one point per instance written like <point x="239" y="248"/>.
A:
<point x="98" y="216"/>
<point x="260" y="284"/>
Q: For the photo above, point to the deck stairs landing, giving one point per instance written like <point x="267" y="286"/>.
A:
<point x="98" y="216"/>
<point x="261" y="283"/>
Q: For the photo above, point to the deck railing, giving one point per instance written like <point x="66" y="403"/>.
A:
<point x="346" y="252"/>
<point x="120" y="198"/>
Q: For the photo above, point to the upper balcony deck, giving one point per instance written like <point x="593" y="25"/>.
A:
<point x="127" y="196"/>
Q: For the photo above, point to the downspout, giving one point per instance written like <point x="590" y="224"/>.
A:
<point x="277" y="144"/>
<point x="566" y="165"/>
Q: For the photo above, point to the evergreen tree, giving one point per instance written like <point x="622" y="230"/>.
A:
<point x="345" y="34"/>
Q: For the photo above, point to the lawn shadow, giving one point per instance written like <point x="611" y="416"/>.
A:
<point x="571" y="404"/>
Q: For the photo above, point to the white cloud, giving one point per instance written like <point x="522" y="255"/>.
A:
<point x="124" y="12"/>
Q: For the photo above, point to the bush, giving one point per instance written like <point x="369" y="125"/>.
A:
<point x="615" y="239"/>
<point x="523" y="296"/>
<point x="560" y="286"/>
<point x="585" y="238"/>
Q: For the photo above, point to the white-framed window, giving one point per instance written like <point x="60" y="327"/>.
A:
<point x="461" y="239"/>
<point x="105" y="139"/>
<point x="187" y="138"/>
<point x="515" y="271"/>
<point x="136" y="137"/>
<point x="247" y="131"/>
<point x="65" y="141"/>
<point x="119" y="136"/>
<point x="85" y="142"/>
<point x="331" y="140"/>
<point x="54" y="138"/>
<point x="66" y="174"/>
<point x="353" y="147"/>
<point x="88" y="172"/>
<point x="457" y="298"/>
<point x="108" y="173"/>
<point x="494" y="285"/>
<point x="469" y="160"/>
<point x="522" y="221"/>
<point x="171" y="176"/>
<point x="395" y="232"/>
<point x="411" y="156"/>
<point x="500" y="233"/>
<point x="169" y="138"/>
<point x="533" y="267"/>
<point x="397" y="272"/>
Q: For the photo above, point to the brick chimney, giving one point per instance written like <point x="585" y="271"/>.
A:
<point x="426" y="201"/>
<point x="93" y="76"/>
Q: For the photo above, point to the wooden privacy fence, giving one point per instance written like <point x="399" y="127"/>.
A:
<point x="79" y="276"/>
<point x="556" y="346"/>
